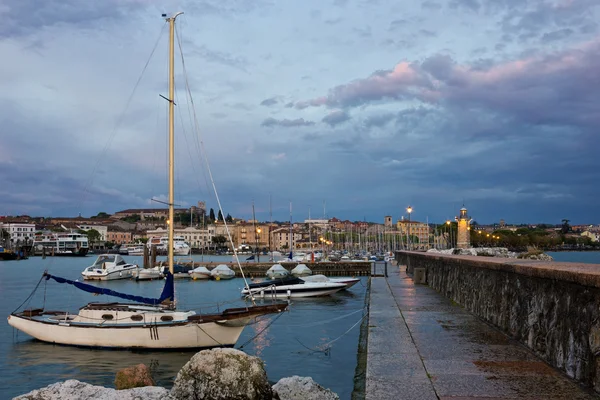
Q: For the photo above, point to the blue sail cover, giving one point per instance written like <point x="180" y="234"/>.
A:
<point x="168" y="292"/>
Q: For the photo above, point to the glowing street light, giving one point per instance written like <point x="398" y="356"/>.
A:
<point x="409" y="210"/>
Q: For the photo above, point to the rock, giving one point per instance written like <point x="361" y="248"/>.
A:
<point x="536" y="256"/>
<point x="302" y="388"/>
<point x="76" y="390"/>
<point x="133" y="377"/>
<point x="222" y="374"/>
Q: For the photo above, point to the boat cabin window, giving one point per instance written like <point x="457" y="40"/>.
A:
<point x="136" y="317"/>
<point x="166" y="318"/>
<point x="107" y="317"/>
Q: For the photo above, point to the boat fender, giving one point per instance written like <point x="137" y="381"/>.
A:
<point x="289" y="293"/>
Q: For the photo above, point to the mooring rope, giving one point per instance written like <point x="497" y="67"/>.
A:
<point x="261" y="331"/>
<point x="32" y="293"/>
<point x="327" y="346"/>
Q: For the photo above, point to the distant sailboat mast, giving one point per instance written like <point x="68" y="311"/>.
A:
<point x="291" y="234"/>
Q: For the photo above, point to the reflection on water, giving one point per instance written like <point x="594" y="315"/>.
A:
<point x="28" y="364"/>
<point x="55" y="362"/>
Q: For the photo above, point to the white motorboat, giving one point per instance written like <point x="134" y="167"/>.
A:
<point x="180" y="247"/>
<point x="349" y="282"/>
<point x="301" y="270"/>
<point x="149" y="274"/>
<point x="108" y="267"/>
<point x="149" y="323"/>
<point x="277" y="271"/>
<point x="222" y="272"/>
<point x="135" y="249"/>
<point x="291" y="288"/>
<point x="200" y="273"/>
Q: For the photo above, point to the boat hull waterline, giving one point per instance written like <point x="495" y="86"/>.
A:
<point x="182" y="334"/>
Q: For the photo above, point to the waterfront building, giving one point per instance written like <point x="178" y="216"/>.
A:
<point x="118" y="237"/>
<point x="412" y="229"/>
<point x="102" y="230"/>
<point x="280" y="238"/>
<point x="464" y="229"/>
<point x="19" y="232"/>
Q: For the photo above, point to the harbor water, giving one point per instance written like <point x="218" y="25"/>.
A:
<point x="318" y="337"/>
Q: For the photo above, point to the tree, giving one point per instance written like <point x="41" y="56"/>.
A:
<point x="93" y="235"/>
<point x="102" y="215"/>
<point x="211" y="216"/>
<point x="219" y="240"/>
<point x="565" y="228"/>
<point x="229" y="218"/>
<point x="220" y="216"/>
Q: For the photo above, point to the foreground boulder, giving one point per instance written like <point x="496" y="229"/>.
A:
<point x="76" y="390"/>
<point x="222" y="374"/>
<point x="302" y="388"/>
<point x="133" y="377"/>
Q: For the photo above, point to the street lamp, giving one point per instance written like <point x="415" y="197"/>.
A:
<point x="449" y="234"/>
<point x="409" y="210"/>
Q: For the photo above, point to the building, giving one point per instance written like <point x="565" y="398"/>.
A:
<point x="197" y="238"/>
<point x="412" y="229"/>
<point x="387" y="221"/>
<point x="280" y="238"/>
<point x="119" y="237"/>
<point x="20" y="233"/>
<point x="102" y="229"/>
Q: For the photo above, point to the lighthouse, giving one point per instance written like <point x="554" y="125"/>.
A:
<point x="464" y="229"/>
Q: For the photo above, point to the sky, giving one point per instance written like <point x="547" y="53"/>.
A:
<point x="347" y="109"/>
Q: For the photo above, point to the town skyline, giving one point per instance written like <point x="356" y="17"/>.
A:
<point x="367" y="106"/>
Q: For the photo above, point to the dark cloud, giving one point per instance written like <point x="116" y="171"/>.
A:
<point x="286" y="123"/>
<point x="270" y="101"/>
<point x="557" y="88"/>
<point x="221" y="57"/>
<point x="431" y="5"/>
<point x="28" y="16"/>
<point x="378" y="120"/>
<point x="556" y="35"/>
<point x="397" y="24"/>
<point x="336" y="117"/>
<point x="427" y="33"/>
<point x="472" y="5"/>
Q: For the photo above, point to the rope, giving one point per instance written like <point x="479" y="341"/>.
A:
<point x="121" y="117"/>
<point x="32" y="293"/>
<point x="203" y="150"/>
<point x="261" y="331"/>
<point x="327" y="321"/>
<point x="327" y="346"/>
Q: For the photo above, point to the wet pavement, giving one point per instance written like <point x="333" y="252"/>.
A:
<point x="422" y="346"/>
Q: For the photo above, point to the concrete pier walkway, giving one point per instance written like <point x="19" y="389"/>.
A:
<point x="422" y="346"/>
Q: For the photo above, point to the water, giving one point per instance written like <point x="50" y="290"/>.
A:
<point x="589" y="257"/>
<point x="285" y="346"/>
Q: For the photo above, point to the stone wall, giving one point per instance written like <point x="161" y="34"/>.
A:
<point x="552" y="308"/>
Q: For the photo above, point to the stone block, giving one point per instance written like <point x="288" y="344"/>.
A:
<point x="419" y="276"/>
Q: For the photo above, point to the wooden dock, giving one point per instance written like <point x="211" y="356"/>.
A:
<point x="256" y="269"/>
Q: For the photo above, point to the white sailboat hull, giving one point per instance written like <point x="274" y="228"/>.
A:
<point x="187" y="335"/>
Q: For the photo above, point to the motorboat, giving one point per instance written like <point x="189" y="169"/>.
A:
<point x="134" y="249"/>
<point x="108" y="267"/>
<point x="301" y="270"/>
<point x="180" y="247"/>
<point x="348" y="281"/>
<point x="179" y="271"/>
<point x="277" y="272"/>
<point x="149" y="274"/>
<point x="200" y="273"/>
<point x="221" y="272"/>
<point x="292" y="288"/>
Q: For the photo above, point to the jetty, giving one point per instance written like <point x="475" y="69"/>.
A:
<point x="464" y="327"/>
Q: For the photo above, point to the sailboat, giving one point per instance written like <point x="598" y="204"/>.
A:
<point x="148" y="323"/>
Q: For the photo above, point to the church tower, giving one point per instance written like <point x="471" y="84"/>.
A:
<point x="464" y="229"/>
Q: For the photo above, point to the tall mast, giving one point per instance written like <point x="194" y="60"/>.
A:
<point x="171" y="135"/>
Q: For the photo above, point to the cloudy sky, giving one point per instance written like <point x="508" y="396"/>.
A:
<point x="364" y="106"/>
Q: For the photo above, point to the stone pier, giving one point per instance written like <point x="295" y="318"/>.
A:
<point x="553" y="308"/>
<point x="422" y="345"/>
